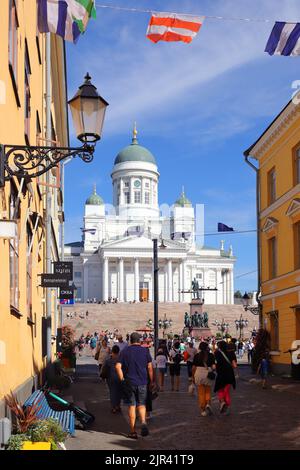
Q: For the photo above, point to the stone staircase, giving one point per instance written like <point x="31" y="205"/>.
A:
<point x="130" y="317"/>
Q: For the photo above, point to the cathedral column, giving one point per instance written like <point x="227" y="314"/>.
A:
<point x="226" y="287"/>
<point x="219" y="287"/>
<point x="231" y="295"/>
<point x="181" y="295"/>
<point x="170" y="281"/>
<point x="85" y="281"/>
<point x="136" y="280"/>
<point x="121" y="280"/>
<point x="121" y="192"/>
<point x="105" y="279"/>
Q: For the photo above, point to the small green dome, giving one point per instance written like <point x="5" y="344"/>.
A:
<point x="94" y="199"/>
<point x="183" y="201"/>
<point x="134" y="153"/>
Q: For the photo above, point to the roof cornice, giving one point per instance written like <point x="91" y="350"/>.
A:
<point x="285" y="119"/>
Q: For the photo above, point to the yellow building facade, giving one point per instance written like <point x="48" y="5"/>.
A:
<point x="277" y="153"/>
<point x="22" y="259"/>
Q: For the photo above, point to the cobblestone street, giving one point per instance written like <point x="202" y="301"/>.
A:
<point x="260" y="419"/>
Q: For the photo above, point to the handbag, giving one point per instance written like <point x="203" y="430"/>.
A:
<point x="96" y="357"/>
<point x="104" y="373"/>
<point x="211" y="375"/>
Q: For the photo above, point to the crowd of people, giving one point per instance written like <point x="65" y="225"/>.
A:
<point x="137" y="378"/>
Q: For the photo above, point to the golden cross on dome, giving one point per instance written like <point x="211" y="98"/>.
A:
<point x="134" y="134"/>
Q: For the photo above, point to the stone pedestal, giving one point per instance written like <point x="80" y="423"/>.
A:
<point x="196" y="306"/>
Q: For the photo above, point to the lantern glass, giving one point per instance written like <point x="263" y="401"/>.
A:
<point x="88" y="112"/>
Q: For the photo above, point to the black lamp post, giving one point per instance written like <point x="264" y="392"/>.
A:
<point x="88" y="112"/>
<point x="223" y="326"/>
<point x="155" y="290"/>
<point x="240" y="325"/>
<point x="250" y="308"/>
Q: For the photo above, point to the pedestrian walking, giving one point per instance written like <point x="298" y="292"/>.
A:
<point x="175" y="360"/>
<point x="264" y="368"/>
<point x="134" y="369"/>
<point x="161" y="367"/>
<point x="121" y="343"/>
<point x="113" y="382"/>
<point x="203" y="376"/>
<point x="225" y="364"/>
<point x="190" y="351"/>
<point x="102" y="352"/>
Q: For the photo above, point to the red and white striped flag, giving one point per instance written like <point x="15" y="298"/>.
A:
<point x="173" y="27"/>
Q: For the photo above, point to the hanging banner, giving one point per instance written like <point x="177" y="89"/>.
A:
<point x="64" y="268"/>
<point x="54" y="280"/>
<point x="66" y="293"/>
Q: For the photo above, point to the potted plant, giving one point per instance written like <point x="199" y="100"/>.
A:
<point x="31" y="433"/>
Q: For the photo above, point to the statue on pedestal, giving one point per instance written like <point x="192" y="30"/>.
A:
<point x="195" y="289"/>
<point x="187" y="320"/>
<point x="205" y="320"/>
<point x="200" y="320"/>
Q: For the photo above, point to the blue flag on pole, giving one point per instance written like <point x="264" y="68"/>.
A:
<point x="224" y="228"/>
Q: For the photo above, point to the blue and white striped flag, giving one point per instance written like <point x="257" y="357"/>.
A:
<point x="284" y="39"/>
<point x="67" y="18"/>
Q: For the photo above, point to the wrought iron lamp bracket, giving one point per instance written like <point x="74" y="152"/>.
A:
<point x="30" y="162"/>
<point x="253" y="310"/>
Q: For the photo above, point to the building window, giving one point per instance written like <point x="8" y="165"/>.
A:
<point x="126" y="184"/>
<point x="78" y="294"/>
<point x="77" y="274"/>
<point x="147" y="184"/>
<point x="13" y="47"/>
<point x="274" y="330"/>
<point x="29" y="272"/>
<point x="27" y="95"/>
<point x="127" y="197"/>
<point x="297" y="245"/>
<point x="137" y="197"/>
<point x="147" y="197"/>
<point x="272" y="247"/>
<point x="272" y="186"/>
<point x="199" y="276"/>
<point x="297" y="167"/>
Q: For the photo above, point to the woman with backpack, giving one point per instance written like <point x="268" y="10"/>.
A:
<point x="113" y="382"/>
<point x="203" y="376"/>
<point x="226" y="363"/>
<point x="175" y="360"/>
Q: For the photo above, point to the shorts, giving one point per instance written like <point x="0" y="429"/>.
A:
<point x="162" y="370"/>
<point x="138" y="396"/>
<point x="174" y="370"/>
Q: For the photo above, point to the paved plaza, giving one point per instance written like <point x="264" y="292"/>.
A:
<point x="260" y="419"/>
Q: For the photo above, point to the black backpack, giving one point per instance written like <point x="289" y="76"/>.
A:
<point x="177" y="358"/>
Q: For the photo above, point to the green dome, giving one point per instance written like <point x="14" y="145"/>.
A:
<point x="94" y="199"/>
<point x="183" y="201"/>
<point x="134" y="153"/>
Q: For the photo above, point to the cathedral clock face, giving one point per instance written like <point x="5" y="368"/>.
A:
<point x="137" y="184"/>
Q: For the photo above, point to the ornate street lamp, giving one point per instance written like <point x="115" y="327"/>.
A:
<point x="240" y="325"/>
<point x="223" y="326"/>
<point x="247" y="307"/>
<point x="88" y="112"/>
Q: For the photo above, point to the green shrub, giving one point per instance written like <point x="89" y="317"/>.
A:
<point x="47" y="430"/>
<point x="16" y="441"/>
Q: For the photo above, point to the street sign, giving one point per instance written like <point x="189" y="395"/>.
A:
<point x="54" y="280"/>
<point x="66" y="302"/>
<point x="64" y="268"/>
<point x="66" y="293"/>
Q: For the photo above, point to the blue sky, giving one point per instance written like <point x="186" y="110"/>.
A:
<point x="198" y="107"/>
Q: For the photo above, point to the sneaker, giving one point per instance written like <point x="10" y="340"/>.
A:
<point x="223" y="408"/>
<point x="208" y="410"/>
<point x="144" y="430"/>
<point x="203" y="413"/>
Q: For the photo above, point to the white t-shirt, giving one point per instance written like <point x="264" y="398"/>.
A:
<point x="161" y="361"/>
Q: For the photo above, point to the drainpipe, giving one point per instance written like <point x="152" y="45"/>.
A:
<point x="48" y="195"/>
<point x="246" y="155"/>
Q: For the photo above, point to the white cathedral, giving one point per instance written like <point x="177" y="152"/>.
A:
<point x="114" y="260"/>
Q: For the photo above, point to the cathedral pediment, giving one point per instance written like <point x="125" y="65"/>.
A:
<point x="135" y="242"/>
